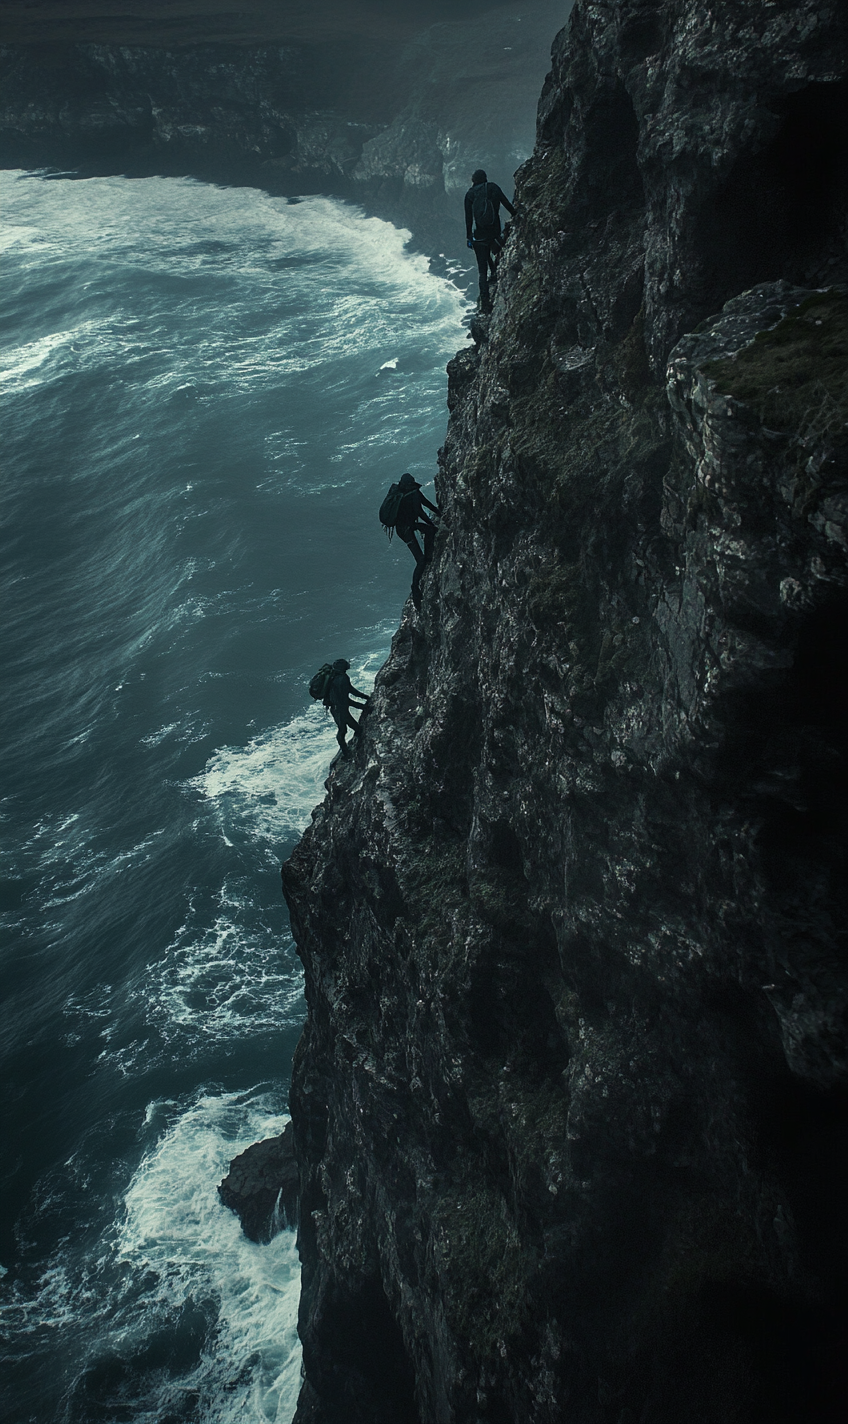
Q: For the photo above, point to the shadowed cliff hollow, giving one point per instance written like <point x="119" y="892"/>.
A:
<point x="571" y="1106"/>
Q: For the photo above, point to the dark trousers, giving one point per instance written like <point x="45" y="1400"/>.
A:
<point x="486" y="250"/>
<point x="342" y="718"/>
<point x="422" y="556"/>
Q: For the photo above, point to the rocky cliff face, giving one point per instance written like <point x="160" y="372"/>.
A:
<point x="571" y="1105"/>
<point x="396" y="116"/>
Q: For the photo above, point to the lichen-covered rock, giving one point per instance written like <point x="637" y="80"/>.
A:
<point x="261" y="1186"/>
<point x="571" y="1105"/>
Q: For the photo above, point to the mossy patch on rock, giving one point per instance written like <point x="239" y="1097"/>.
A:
<point x="795" y="376"/>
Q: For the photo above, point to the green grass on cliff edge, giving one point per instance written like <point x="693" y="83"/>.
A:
<point x="795" y="376"/>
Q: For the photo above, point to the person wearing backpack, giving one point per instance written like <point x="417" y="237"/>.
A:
<point x="482" y="212"/>
<point x="403" y="510"/>
<point x="339" y="693"/>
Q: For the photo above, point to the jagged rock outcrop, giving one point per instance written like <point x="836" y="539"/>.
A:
<point x="571" y="1105"/>
<point x="262" y="1186"/>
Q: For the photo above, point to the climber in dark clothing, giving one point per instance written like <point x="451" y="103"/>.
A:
<point x="338" y="697"/>
<point x="411" y="521"/>
<point x="482" y="212"/>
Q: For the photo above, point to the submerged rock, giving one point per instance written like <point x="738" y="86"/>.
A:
<point x="261" y="1186"/>
<point x="571" y="1105"/>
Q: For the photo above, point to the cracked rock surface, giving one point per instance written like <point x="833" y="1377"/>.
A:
<point x="571" y="1105"/>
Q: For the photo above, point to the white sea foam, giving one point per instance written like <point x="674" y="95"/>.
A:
<point x="273" y="783"/>
<point x="176" y="1246"/>
<point x="14" y="235"/>
<point x="271" y="786"/>
<point x="240" y="239"/>
<point x="19" y="361"/>
<point x="177" y="1229"/>
<point x="153" y="739"/>
<point x="223" y="980"/>
<point x="227" y="976"/>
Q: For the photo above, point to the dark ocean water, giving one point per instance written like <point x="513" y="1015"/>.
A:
<point x="205" y="393"/>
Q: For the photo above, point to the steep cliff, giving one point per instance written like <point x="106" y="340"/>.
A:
<point x="571" y="1105"/>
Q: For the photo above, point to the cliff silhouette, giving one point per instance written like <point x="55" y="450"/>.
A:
<point x="570" y="1106"/>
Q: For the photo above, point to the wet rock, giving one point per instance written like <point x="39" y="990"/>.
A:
<point x="261" y="1186"/>
<point x="571" y="1104"/>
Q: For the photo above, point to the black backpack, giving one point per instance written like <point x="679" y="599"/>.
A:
<point x="319" y="685"/>
<point x="390" y="508"/>
<point x="482" y="207"/>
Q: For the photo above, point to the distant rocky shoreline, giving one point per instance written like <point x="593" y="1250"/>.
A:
<point x="394" y="122"/>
